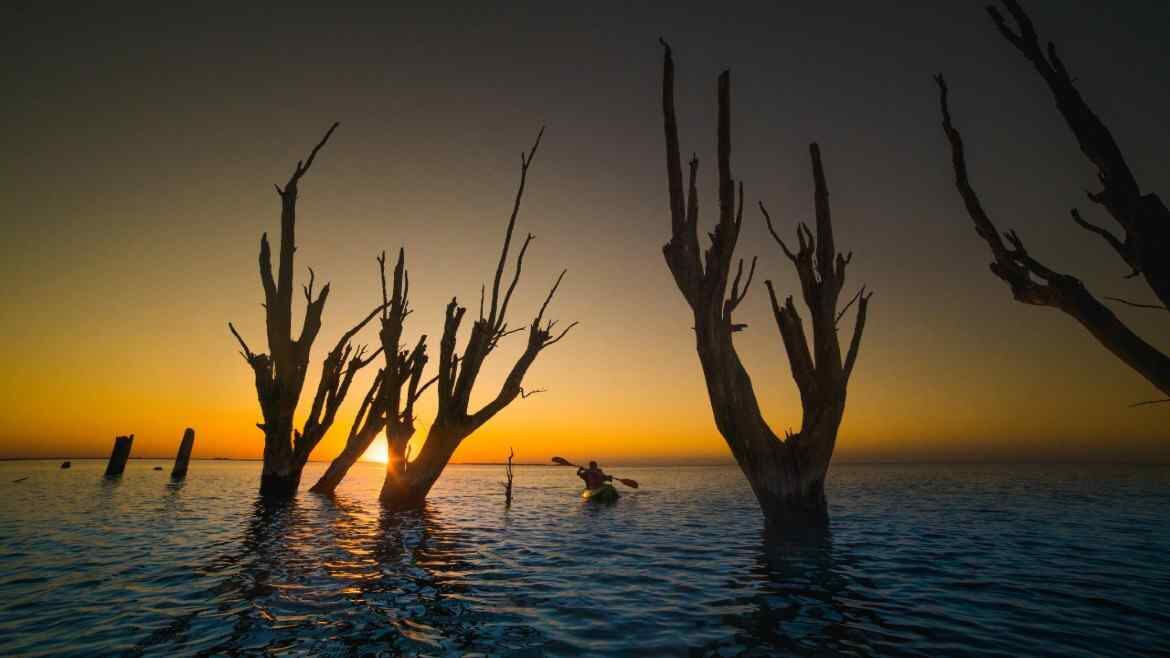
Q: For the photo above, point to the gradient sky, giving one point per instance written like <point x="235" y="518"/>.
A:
<point x="141" y="149"/>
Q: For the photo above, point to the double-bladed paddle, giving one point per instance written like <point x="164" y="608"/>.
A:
<point x="633" y="484"/>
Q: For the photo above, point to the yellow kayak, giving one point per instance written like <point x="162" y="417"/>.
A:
<point x="604" y="494"/>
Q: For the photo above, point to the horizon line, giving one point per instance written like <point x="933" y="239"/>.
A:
<point x="696" y="462"/>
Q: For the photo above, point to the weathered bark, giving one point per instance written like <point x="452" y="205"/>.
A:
<point x="386" y="406"/>
<point x="280" y="374"/>
<point x="119" y="455"/>
<point x="787" y="476"/>
<point x="409" y="481"/>
<point x="1145" y="248"/>
<point x="184" y="457"/>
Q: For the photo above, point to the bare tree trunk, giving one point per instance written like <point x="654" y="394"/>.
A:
<point x="508" y="483"/>
<point x="119" y="455"/>
<point x="280" y="375"/>
<point x="408" y="482"/>
<point x="787" y="476"/>
<point x="355" y="446"/>
<point x="1145" y="220"/>
<point x="338" y="468"/>
<point x="387" y="406"/>
<point x="184" y="457"/>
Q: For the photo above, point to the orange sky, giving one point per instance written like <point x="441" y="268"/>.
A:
<point x="139" y="182"/>
<point x="134" y="339"/>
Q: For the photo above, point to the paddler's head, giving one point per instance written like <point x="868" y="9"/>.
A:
<point x="593" y="465"/>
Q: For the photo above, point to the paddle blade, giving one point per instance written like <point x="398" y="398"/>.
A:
<point x="633" y="484"/>
<point x="562" y="461"/>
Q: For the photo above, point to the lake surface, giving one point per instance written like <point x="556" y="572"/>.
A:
<point x="923" y="560"/>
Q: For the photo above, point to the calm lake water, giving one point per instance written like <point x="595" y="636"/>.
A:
<point x="919" y="560"/>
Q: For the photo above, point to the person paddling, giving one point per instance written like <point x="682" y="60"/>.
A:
<point x="594" y="477"/>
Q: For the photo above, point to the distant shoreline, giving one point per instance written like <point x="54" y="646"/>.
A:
<point x="258" y="459"/>
<point x="638" y="464"/>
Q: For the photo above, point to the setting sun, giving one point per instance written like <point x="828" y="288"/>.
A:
<point x="377" y="452"/>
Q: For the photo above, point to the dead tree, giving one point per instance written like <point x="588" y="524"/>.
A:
<point x="1145" y="220"/>
<point x="408" y="482"/>
<point x="387" y="406"/>
<point x="280" y="374"/>
<point x="787" y="476"/>
<point x="507" y="484"/>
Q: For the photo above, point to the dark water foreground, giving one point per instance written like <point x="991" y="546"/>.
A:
<point x="919" y="560"/>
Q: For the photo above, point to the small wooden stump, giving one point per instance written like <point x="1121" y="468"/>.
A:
<point x="184" y="455"/>
<point x="119" y="456"/>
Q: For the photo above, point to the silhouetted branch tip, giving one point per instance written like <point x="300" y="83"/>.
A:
<point x="561" y="335"/>
<point x="852" y="300"/>
<point x="1157" y="307"/>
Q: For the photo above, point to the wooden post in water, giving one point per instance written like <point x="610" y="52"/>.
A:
<point x="184" y="455"/>
<point x="119" y="456"/>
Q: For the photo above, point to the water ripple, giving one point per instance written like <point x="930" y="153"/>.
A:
<point x="917" y="560"/>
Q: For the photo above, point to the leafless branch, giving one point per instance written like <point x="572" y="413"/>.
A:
<point x="775" y="236"/>
<point x="525" y="162"/>
<point x="1136" y="304"/>
<point x="303" y="166"/>
<point x="247" y="353"/>
<point x="1142" y="404"/>
<point x="845" y="308"/>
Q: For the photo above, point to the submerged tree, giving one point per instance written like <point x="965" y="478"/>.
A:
<point x="408" y="481"/>
<point x="280" y="374"/>
<point x="1144" y="218"/>
<point x="787" y="476"/>
<point x="389" y="404"/>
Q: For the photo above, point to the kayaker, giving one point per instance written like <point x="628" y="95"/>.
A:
<point x="594" y="477"/>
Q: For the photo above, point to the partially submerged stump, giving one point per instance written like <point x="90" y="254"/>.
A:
<point x="118" y="457"/>
<point x="184" y="456"/>
<point x="508" y="484"/>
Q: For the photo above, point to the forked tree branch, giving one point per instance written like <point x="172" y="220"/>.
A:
<point x="1033" y="283"/>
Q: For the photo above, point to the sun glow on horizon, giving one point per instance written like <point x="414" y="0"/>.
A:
<point x="377" y="452"/>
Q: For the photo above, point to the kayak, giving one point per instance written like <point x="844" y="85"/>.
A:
<point x="604" y="494"/>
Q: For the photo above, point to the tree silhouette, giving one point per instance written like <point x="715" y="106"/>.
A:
<point x="408" y="481"/>
<point x="387" y="406"/>
<point x="1145" y="247"/>
<point x="787" y="476"/>
<point x="390" y="403"/>
<point x="280" y="374"/>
